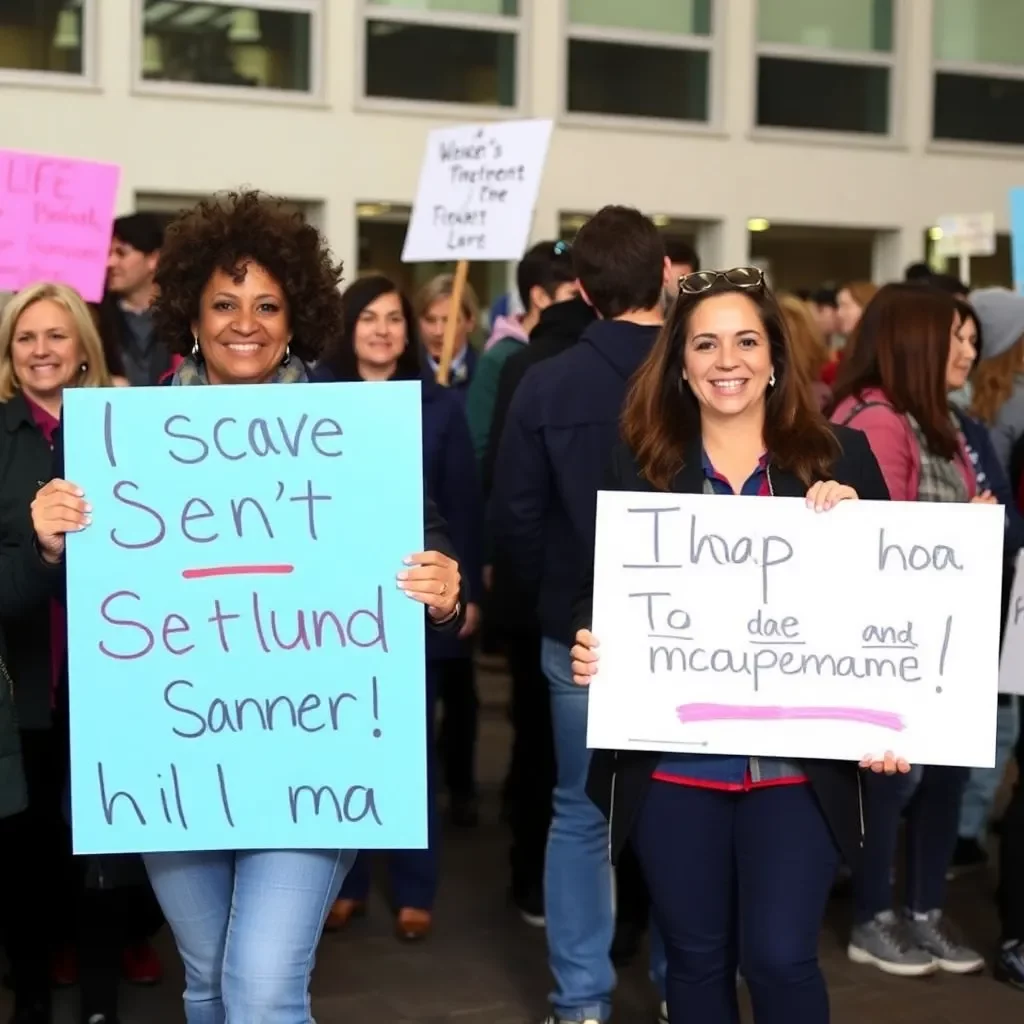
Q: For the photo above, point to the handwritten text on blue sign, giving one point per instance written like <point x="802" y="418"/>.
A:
<point x="244" y="672"/>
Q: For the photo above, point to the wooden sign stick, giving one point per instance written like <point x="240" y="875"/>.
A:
<point x="451" y="325"/>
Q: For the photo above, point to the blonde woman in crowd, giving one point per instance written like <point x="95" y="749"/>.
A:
<point x="54" y="922"/>
<point x="433" y="306"/>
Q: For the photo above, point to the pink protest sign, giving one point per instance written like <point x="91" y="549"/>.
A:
<point x="55" y="220"/>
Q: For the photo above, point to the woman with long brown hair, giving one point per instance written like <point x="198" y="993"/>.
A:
<point x="717" y="408"/>
<point x="997" y="395"/>
<point x="909" y="355"/>
<point x="808" y="351"/>
<point x="851" y="301"/>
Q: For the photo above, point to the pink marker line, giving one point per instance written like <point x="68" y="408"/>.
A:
<point x="750" y="713"/>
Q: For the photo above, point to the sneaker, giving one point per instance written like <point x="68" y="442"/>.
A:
<point x="663" y="1014"/>
<point x="529" y="901"/>
<point x="883" y="943"/>
<point x="968" y="856"/>
<point x="1010" y="965"/>
<point x="933" y="934"/>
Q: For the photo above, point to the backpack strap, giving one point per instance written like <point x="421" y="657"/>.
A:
<point x="859" y="408"/>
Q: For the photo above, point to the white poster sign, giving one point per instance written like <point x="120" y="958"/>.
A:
<point x="967" y="234"/>
<point x="478" y="186"/>
<point x="757" y="627"/>
<point x="1011" y="661"/>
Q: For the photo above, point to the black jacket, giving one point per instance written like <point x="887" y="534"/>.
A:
<point x="559" y="328"/>
<point x="561" y="428"/>
<point x="618" y="780"/>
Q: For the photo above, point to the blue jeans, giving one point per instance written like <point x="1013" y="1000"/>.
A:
<point x="984" y="783"/>
<point x="577" y="872"/>
<point x="247" y="925"/>
<point x="739" y="879"/>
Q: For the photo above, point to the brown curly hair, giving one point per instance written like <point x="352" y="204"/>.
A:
<point x="224" y="233"/>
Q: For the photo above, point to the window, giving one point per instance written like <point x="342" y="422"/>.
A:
<point x="44" y="37"/>
<point x="641" y="58"/>
<point x="825" y="65"/>
<point x="443" y="51"/>
<point x="979" y="71"/>
<point x="265" y="46"/>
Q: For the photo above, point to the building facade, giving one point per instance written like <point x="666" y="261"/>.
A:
<point x="821" y="137"/>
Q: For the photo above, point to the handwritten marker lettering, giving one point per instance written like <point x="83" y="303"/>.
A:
<point x="744" y="626"/>
<point x="245" y="675"/>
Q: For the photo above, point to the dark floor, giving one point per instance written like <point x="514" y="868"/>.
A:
<point x="484" y="966"/>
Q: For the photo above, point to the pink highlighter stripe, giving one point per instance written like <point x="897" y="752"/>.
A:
<point x="739" y="712"/>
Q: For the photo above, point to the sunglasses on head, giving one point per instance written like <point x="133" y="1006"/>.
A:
<point x="747" y="278"/>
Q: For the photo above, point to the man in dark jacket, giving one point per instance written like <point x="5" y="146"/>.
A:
<point x="531" y="773"/>
<point x="556" y="442"/>
<point x="126" y="315"/>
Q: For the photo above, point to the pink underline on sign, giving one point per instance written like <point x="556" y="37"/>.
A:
<point x="237" y="570"/>
<point x="753" y="713"/>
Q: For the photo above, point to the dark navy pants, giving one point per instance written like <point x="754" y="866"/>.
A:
<point x="738" y="880"/>
<point x="412" y="874"/>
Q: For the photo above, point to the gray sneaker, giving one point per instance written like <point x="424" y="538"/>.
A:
<point x="884" y="943"/>
<point x="933" y="934"/>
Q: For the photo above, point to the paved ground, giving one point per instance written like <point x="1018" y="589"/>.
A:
<point x="484" y="966"/>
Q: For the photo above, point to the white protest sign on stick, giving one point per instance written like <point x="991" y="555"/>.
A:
<point x="746" y="626"/>
<point x="1011" y="660"/>
<point x="477" y="190"/>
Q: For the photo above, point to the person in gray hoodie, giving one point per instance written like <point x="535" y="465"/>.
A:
<point x="997" y="397"/>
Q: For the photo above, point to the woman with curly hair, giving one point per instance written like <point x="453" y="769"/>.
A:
<point x="248" y="293"/>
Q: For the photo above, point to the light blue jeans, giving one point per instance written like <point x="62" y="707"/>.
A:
<point x="578" y="874"/>
<point x="984" y="783"/>
<point x="247" y="925"/>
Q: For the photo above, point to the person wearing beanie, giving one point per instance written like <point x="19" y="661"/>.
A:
<point x="998" y="386"/>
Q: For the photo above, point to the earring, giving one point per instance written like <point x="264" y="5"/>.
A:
<point x="195" y="348"/>
<point x="287" y="354"/>
<point x="771" y="380"/>
<point x="84" y="368"/>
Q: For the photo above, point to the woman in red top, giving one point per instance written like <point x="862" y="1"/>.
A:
<point x="718" y="409"/>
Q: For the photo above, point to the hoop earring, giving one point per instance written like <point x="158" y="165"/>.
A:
<point x="771" y="380"/>
<point x="287" y="354"/>
<point x="195" y="348"/>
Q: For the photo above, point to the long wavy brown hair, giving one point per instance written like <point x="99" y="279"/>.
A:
<point x="992" y="384"/>
<point x="807" y="349"/>
<point x="662" y="416"/>
<point x="901" y="346"/>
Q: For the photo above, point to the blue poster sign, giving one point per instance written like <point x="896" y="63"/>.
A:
<point x="244" y="672"/>
<point x="1017" y="237"/>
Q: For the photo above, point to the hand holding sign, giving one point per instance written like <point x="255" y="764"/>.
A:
<point x="58" y="508"/>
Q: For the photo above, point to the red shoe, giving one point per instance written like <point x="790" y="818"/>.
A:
<point x="140" y="965"/>
<point x="64" y="967"/>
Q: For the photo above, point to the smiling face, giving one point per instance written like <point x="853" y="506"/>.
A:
<point x="46" y="352"/>
<point x="243" y="326"/>
<point x="963" y="350"/>
<point x="727" y="359"/>
<point x="380" y="337"/>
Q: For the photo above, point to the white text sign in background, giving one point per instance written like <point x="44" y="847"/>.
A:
<point x="745" y="626"/>
<point x="1011" y="662"/>
<point x="478" y="186"/>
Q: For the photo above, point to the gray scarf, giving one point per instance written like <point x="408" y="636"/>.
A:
<point x="292" y="371"/>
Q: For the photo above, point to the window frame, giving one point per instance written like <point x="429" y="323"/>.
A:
<point x="313" y="97"/>
<point x="712" y="44"/>
<point x="86" y="80"/>
<point x="977" y="69"/>
<point x="500" y="24"/>
<point x="895" y="60"/>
